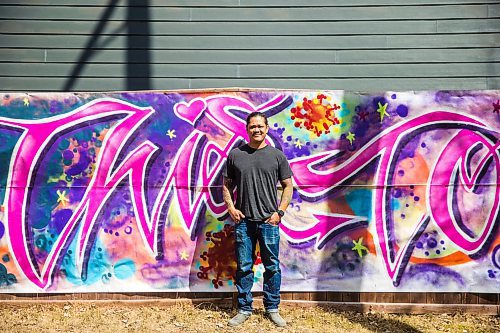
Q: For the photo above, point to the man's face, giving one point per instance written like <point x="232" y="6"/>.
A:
<point x="257" y="130"/>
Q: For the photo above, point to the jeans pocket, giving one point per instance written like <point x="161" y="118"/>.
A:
<point x="270" y="233"/>
<point x="241" y="231"/>
<point x="240" y="236"/>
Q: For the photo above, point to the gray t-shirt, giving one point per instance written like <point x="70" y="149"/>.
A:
<point x="256" y="172"/>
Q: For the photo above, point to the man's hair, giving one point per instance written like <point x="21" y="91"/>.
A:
<point x="257" y="114"/>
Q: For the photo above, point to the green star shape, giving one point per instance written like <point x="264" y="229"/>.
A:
<point x="358" y="246"/>
<point x="351" y="137"/>
<point x="382" y="111"/>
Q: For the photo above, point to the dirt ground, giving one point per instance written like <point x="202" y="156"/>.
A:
<point x="78" y="317"/>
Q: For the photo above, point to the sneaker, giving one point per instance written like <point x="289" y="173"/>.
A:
<point x="276" y="319"/>
<point x="239" y="319"/>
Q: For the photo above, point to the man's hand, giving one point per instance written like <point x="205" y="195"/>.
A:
<point x="275" y="219"/>
<point x="236" y="215"/>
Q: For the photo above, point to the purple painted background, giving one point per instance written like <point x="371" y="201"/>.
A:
<point x="394" y="191"/>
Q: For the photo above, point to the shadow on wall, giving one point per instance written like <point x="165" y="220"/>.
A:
<point x="138" y="31"/>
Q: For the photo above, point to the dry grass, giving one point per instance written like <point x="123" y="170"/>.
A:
<point x="75" y="317"/>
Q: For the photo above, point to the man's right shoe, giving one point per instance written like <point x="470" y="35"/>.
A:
<point x="239" y="319"/>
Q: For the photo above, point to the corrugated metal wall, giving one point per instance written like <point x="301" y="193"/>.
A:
<point x="94" y="45"/>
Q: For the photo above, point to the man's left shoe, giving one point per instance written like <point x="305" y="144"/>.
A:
<point x="276" y="319"/>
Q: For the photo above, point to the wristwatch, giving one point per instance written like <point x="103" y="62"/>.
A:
<point x="281" y="213"/>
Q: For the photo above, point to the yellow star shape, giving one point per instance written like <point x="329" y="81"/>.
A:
<point x="298" y="144"/>
<point x="358" y="246"/>
<point x="382" y="111"/>
<point x="61" y="197"/>
<point x="183" y="255"/>
<point x="26" y="101"/>
<point x="351" y="137"/>
<point x="171" y="134"/>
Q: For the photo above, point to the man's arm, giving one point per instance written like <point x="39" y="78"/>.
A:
<point x="286" y="198"/>
<point x="236" y="214"/>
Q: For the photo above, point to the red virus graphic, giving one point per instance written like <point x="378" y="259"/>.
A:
<point x="316" y="115"/>
<point x="218" y="262"/>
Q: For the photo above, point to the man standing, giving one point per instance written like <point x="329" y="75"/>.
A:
<point x="255" y="169"/>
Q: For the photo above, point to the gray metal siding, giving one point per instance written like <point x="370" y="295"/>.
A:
<point x="55" y="45"/>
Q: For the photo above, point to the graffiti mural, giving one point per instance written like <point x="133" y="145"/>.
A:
<point x="394" y="191"/>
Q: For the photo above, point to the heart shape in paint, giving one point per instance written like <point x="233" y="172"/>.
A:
<point x="191" y="111"/>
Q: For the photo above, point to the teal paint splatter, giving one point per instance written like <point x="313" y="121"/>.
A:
<point x="6" y="278"/>
<point x="124" y="269"/>
<point x="395" y="204"/>
<point x="97" y="269"/>
<point x="344" y="111"/>
<point x="360" y="202"/>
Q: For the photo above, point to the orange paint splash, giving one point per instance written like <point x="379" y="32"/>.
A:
<point x="316" y="115"/>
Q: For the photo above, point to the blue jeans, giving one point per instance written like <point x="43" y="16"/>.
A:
<point x="247" y="234"/>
